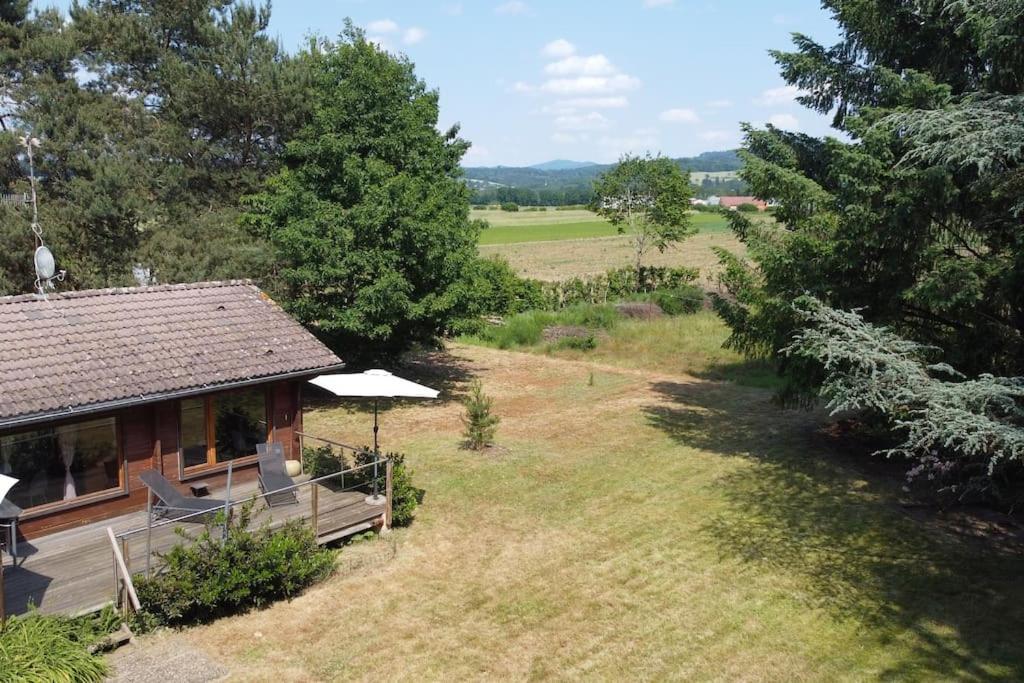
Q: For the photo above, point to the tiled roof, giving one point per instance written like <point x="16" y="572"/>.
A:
<point x="81" y="350"/>
<point x="737" y="201"/>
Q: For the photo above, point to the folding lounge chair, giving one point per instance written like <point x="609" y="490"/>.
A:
<point x="273" y="477"/>
<point x="173" y="504"/>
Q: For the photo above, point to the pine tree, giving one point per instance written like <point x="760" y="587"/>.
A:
<point x="917" y="219"/>
<point x="480" y="423"/>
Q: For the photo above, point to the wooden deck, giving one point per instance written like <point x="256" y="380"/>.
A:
<point x="72" y="571"/>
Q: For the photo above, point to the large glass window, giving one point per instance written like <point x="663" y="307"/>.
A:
<point x="61" y="464"/>
<point x="223" y="427"/>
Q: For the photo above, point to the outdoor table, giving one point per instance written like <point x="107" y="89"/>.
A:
<point x="9" y="514"/>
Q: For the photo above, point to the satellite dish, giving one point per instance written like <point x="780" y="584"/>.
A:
<point x="45" y="265"/>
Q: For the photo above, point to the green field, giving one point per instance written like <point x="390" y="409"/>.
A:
<point x="510" y="227"/>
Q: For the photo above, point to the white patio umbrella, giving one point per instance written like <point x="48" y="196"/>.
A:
<point x="6" y="484"/>
<point x="375" y="384"/>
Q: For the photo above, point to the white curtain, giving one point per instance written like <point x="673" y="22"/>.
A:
<point x="67" y="438"/>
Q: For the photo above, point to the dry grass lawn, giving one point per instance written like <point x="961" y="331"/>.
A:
<point x="634" y="524"/>
<point x="558" y="260"/>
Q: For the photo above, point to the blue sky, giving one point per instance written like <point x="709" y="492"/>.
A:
<point x="533" y="80"/>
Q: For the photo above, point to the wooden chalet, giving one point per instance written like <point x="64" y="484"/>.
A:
<point x="97" y="386"/>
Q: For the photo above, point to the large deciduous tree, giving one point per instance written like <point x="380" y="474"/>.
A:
<point x="369" y="217"/>
<point x="647" y="198"/>
<point x="917" y="217"/>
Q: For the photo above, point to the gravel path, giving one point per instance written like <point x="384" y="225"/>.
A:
<point x="164" y="659"/>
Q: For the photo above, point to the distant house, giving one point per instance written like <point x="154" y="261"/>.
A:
<point x="698" y="202"/>
<point x="733" y="203"/>
<point x="101" y="385"/>
<point x="713" y="200"/>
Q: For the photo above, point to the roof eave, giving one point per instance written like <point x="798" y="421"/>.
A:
<point x="108" y="406"/>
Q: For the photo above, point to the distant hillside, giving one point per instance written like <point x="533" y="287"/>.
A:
<point x="562" y="165"/>
<point x="545" y="176"/>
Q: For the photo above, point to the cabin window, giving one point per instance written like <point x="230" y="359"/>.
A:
<point x="216" y="429"/>
<point x="62" y="464"/>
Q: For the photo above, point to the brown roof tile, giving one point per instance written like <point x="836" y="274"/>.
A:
<point x="85" y="349"/>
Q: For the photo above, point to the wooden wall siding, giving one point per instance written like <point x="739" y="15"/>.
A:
<point x="149" y="440"/>
<point x="285" y="412"/>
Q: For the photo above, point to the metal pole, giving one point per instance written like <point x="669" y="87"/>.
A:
<point x="149" y="529"/>
<point x="376" y="448"/>
<point x="376" y="452"/>
<point x="227" y="500"/>
<point x="3" y="604"/>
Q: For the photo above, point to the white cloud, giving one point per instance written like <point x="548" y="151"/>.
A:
<point x="679" y="116"/>
<point x="382" y="26"/>
<point x="716" y="136"/>
<point x="590" y="85"/>
<point x="658" y="3"/>
<point x="557" y="49"/>
<point x="477" y="154"/>
<point x="511" y="8"/>
<point x="718" y="104"/>
<point x="452" y="9"/>
<point x="639" y="141"/>
<point x="413" y="35"/>
<point x="380" y="41"/>
<point x="522" y="87"/>
<point x="566" y="138"/>
<point x="781" y="95"/>
<point x="785" y="121"/>
<point x="612" y="102"/>
<point x="577" y="122"/>
<point x="576" y="65"/>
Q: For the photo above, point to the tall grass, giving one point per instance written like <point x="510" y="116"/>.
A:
<point x="41" y="648"/>
<point x="527" y="329"/>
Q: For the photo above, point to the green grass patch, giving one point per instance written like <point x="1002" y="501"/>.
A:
<point x="543" y="226"/>
<point x="691" y="344"/>
<point x="39" y="648"/>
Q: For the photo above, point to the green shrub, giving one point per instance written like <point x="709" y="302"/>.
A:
<point x="212" y="577"/>
<point x="527" y="329"/>
<point x="616" y="284"/>
<point x="405" y="497"/>
<point x="747" y="207"/>
<point x="603" y="317"/>
<point x="490" y="287"/>
<point x="585" y="343"/>
<point x="43" y="648"/>
<point x="686" y="299"/>
<point x="320" y="461"/>
<point x="509" y="206"/>
<point x="481" y="425"/>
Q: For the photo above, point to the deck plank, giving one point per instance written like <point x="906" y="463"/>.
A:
<point x="73" y="571"/>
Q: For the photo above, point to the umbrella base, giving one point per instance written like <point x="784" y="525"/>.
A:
<point x="375" y="500"/>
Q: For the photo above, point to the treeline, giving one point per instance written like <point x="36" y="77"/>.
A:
<point x="537" y="178"/>
<point x="572" y="195"/>
<point x="153" y="123"/>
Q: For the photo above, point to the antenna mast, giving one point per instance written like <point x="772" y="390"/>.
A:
<point x="46" y="272"/>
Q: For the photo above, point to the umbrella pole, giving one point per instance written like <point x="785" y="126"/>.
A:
<point x="376" y="451"/>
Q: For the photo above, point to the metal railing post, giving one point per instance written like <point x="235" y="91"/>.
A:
<point x="388" y="484"/>
<point x="314" y="496"/>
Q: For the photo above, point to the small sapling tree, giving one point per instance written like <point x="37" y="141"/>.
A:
<point x="481" y="424"/>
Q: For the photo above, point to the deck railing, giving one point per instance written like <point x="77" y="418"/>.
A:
<point x="321" y="502"/>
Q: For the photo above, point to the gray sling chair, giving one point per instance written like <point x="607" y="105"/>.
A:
<point x="172" y="504"/>
<point x="272" y="475"/>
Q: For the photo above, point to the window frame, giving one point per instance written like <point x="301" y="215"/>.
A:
<point x="122" y="490"/>
<point x="212" y="465"/>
